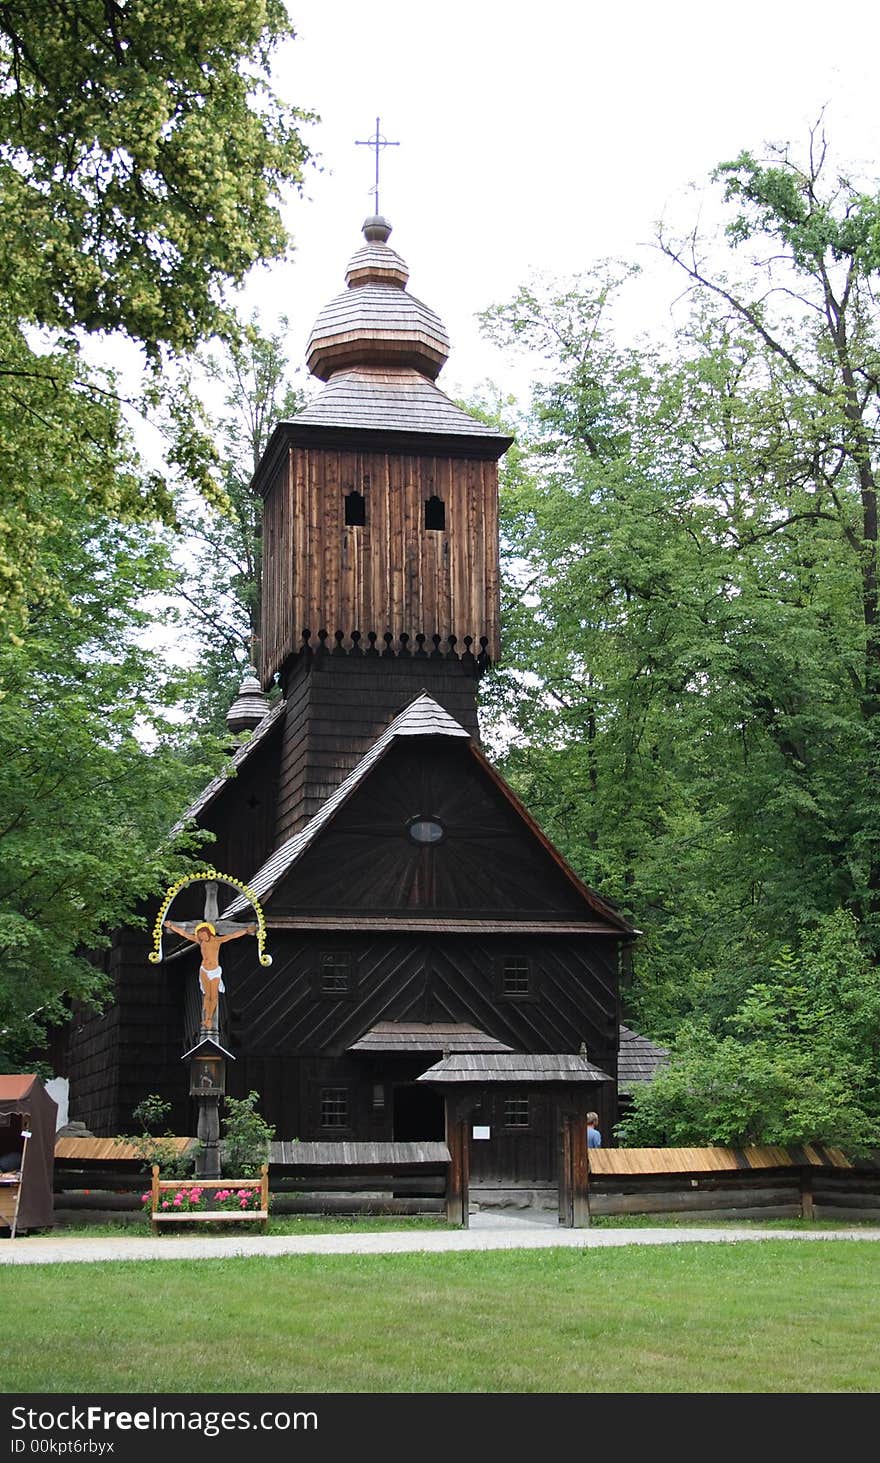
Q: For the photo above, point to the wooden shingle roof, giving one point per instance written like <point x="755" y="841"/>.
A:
<point x="420" y="1036"/>
<point x="388" y="398"/>
<point x="354" y="1155"/>
<point x="241" y="755"/>
<point x="376" y="320"/>
<point x="423" y="717"/>
<point x="513" y="1067"/>
<point x="713" y="1160"/>
<point x="638" y="1059"/>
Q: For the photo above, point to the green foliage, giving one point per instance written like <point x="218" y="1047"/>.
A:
<point x="220" y="586"/>
<point x="94" y="770"/>
<point x="153" y="1146"/>
<point x="796" y="1062"/>
<point x="143" y="157"/>
<point x="690" y="697"/>
<point x="246" y="1136"/>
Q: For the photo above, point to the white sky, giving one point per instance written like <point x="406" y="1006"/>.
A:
<point x="544" y="137"/>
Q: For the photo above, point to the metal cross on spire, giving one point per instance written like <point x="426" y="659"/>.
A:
<point x="377" y="142"/>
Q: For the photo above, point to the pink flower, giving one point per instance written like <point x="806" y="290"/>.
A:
<point x="164" y="1204"/>
<point x="145" y="1198"/>
<point x="178" y="1199"/>
<point x="242" y="1203"/>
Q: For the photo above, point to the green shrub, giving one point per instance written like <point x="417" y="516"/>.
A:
<point x="246" y="1136"/>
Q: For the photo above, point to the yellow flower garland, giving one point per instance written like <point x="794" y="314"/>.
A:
<point x="205" y="876"/>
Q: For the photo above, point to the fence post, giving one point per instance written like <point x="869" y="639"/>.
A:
<point x="808" y="1209"/>
<point x="580" y="1175"/>
<point x="457" y="1184"/>
<point x="264" y="1195"/>
<point x="565" y="1176"/>
<point x="154" y="1204"/>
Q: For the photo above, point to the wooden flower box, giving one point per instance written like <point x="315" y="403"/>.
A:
<point x="231" y="1216"/>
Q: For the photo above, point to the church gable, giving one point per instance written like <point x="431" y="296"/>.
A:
<point x="239" y="808"/>
<point x="429" y="831"/>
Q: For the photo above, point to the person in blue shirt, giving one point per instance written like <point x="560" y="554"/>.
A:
<point x="594" y="1137"/>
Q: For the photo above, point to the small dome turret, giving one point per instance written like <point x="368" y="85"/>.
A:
<point x="375" y="321"/>
<point x="249" y="706"/>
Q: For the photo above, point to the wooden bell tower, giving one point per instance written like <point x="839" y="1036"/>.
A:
<point x="380" y="533"/>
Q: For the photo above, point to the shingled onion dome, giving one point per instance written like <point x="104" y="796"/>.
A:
<point x="249" y="706"/>
<point x="375" y="321"/>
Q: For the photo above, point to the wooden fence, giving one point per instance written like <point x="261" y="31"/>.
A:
<point x="812" y="1181"/>
<point x="104" y="1175"/>
<point x="359" y="1178"/>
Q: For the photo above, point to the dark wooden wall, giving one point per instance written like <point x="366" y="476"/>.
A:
<point x="242" y="818"/>
<point x="488" y="865"/>
<point x="338" y="707"/>
<point x="133" y="1049"/>
<point x="290" y="1038"/>
<point x="392" y="574"/>
<point x="529" y="1155"/>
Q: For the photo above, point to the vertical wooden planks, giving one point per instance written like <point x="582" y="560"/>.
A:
<point x="300" y="545"/>
<point x="330" y="513"/>
<point x="458" y="1184"/>
<point x="491" y="592"/>
<point x="580" y="1174"/>
<point x="392" y="574"/>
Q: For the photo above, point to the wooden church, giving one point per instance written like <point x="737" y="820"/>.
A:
<point x="429" y="945"/>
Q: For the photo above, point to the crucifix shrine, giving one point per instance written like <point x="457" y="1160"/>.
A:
<point x="207" y="1060"/>
<point x="209" y="934"/>
<point x="377" y="142"/>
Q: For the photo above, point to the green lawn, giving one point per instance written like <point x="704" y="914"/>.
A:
<point x="769" y="1316"/>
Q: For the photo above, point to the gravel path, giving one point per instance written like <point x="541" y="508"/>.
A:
<point x="488" y="1231"/>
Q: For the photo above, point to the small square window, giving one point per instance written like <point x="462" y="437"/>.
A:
<point x="435" y="514"/>
<point x="336" y="973"/>
<point x="515" y="976"/>
<point x="355" y="509"/>
<point x="516" y="1112"/>
<point x="334" y="1107"/>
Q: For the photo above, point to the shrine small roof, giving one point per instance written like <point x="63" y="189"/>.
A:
<point x="513" y="1067"/>
<point x="423" y="717"/>
<point x="421" y="1036"/>
<point x="638" y="1059"/>
<point x="239" y="757"/>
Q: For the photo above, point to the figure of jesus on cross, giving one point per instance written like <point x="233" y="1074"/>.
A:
<point x="209" y="934"/>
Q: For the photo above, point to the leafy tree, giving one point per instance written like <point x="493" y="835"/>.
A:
<point x="686" y="651"/>
<point x="94" y="770"/>
<point x="797" y="1062"/>
<point x="143" y="155"/>
<point x="810" y="304"/>
<point x="220" y="551"/>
